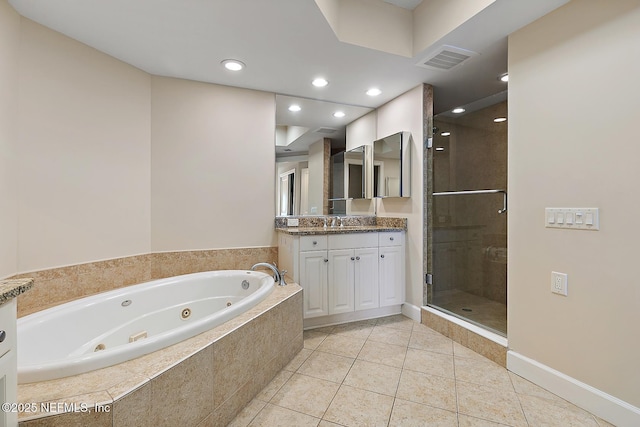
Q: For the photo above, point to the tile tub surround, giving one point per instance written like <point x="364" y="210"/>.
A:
<point x="11" y="288"/>
<point x="481" y="345"/>
<point x="203" y="381"/>
<point x="59" y="285"/>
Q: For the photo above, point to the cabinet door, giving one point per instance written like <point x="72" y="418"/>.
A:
<point x="313" y="280"/>
<point x="287" y="255"/>
<point x="366" y="279"/>
<point x="341" y="264"/>
<point x="391" y="270"/>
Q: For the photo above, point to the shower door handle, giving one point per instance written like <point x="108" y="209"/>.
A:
<point x="468" y="192"/>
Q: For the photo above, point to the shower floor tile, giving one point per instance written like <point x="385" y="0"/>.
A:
<point x="417" y="378"/>
<point x="475" y="308"/>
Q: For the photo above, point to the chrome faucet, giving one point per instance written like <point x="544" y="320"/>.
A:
<point x="278" y="276"/>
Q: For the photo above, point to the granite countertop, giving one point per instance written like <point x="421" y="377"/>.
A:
<point x="11" y="288"/>
<point x="306" y="231"/>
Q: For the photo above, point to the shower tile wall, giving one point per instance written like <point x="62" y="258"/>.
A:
<point x="58" y="285"/>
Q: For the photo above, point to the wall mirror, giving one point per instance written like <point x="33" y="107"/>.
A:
<point x="305" y="139"/>
<point x="391" y="169"/>
<point x="348" y="174"/>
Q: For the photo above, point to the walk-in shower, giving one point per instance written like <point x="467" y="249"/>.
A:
<point x="467" y="210"/>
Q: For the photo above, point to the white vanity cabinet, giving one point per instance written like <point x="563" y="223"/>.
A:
<point x="313" y="272"/>
<point x="8" y="361"/>
<point x="309" y="267"/>
<point x="391" y="268"/>
<point x="353" y="272"/>
<point x="344" y="275"/>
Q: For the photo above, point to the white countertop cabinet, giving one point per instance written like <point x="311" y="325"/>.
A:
<point x="347" y="276"/>
<point x="8" y="363"/>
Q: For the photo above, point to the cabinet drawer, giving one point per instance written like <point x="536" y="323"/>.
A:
<point x="391" y="238"/>
<point x="313" y="243"/>
<point x="353" y="240"/>
<point x="8" y="325"/>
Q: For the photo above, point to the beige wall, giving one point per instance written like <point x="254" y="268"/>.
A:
<point x="9" y="44"/>
<point x="573" y="142"/>
<point x="79" y="147"/>
<point x="403" y="113"/>
<point x="212" y="166"/>
<point x="83" y="153"/>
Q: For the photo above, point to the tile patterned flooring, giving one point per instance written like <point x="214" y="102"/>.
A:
<point x="394" y="371"/>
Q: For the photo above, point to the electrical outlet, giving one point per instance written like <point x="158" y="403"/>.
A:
<point x="559" y="283"/>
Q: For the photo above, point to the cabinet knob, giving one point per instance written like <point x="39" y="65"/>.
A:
<point x="3" y="336"/>
<point x="315" y="243"/>
<point x="326" y="260"/>
<point x="391" y="238"/>
<point x="382" y="256"/>
<point x="352" y="258"/>
<point x="358" y="258"/>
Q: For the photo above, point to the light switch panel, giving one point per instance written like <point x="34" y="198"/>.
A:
<point x="572" y="218"/>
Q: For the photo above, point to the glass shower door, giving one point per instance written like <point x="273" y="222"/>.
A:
<point x="468" y="206"/>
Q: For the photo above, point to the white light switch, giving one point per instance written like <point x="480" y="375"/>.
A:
<point x="568" y="218"/>
<point x="551" y="217"/>
<point x="573" y="218"/>
<point x="588" y="218"/>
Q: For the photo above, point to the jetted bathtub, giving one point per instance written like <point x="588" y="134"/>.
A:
<point x="119" y="325"/>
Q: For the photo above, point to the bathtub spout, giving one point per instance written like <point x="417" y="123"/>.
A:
<point x="278" y="275"/>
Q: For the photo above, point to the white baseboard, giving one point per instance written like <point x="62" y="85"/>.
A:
<point x="411" y="311"/>
<point x="605" y="406"/>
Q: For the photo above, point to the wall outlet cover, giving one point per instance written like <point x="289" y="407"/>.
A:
<point x="559" y="283"/>
<point x="292" y="222"/>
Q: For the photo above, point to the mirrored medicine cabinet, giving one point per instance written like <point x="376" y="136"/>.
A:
<point x="380" y="170"/>
<point x="392" y="166"/>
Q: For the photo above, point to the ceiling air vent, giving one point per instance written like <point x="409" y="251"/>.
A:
<point x="325" y="130"/>
<point x="446" y="58"/>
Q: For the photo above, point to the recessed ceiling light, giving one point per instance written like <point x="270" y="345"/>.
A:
<point x="233" y="64"/>
<point x="339" y="114"/>
<point x="439" y="148"/>
<point x="458" y="110"/>
<point x="445" y="134"/>
<point x="294" y="108"/>
<point x="500" y="119"/>
<point x="319" y="82"/>
<point x="374" y="91"/>
<point x="504" y="78"/>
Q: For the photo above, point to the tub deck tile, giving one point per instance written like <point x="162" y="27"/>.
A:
<point x="169" y="375"/>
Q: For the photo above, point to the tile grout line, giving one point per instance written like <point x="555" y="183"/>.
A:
<point x="524" y="413"/>
<point x="395" y="396"/>
<point x="347" y="374"/>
